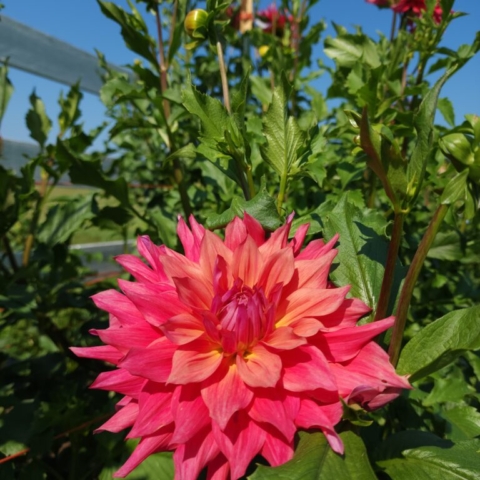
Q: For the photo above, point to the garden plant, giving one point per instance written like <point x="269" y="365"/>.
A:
<point x="299" y="294"/>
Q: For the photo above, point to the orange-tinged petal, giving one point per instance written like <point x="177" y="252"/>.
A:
<point x="212" y="247"/>
<point x="314" y="273"/>
<point x="225" y="393"/>
<point x="254" y="229"/>
<point x="183" y="328"/>
<point x="261" y="368"/>
<point x="278" y="268"/>
<point x="317" y="248"/>
<point x="193" y="293"/>
<point x="284" y="338"/>
<point x="247" y="262"/>
<point x="235" y="233"/>
<point x="194" y="362"/>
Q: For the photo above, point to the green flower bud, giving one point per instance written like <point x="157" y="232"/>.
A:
<point x="195" y="20"/>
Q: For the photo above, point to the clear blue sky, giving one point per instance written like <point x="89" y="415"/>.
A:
<point x="81" y="24"/>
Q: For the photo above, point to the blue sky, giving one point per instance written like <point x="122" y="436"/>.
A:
<point x="81" y="24"/>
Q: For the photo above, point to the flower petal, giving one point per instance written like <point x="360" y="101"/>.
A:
<point x="347" y="315"/>
<point x="118" y="305"/>
<point x="306" y="368"/>
<point x="314" y="273"/>
<point x="122" y="419"/>
<point x="183" y="328"/>
<point x="261" y="368"/>
<point x="192" y="293"/>
<point x="218" y="468"/>
<point x="279" y="268"/>
<point x="153" y="362"/>
<point x="119" y="381"/>
<point x="276" y="450"/>
<point x="137" y="268"/>
<point x="254" y="229"/>
<point x="194" y="362"/>
<point x="152" y="253"/>
<point x="342" y="345"/>
<point x="247" y="262"/>
<point x="317" y="248"/>
<point x="235" y="233"/>
<point x="283" y="338"/>
<point x="104" y="352"/>
<point x="129" y="336"/>
<point x="225" y="393"/>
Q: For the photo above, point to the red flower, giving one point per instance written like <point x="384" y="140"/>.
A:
<point x="271" y="17"/>
<point x="225" y="352"/>
<point x="416" y="8"/>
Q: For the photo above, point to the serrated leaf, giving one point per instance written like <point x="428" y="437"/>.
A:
<point x="446" y="109"/>
<point x="37" y="121"/>
<point x="262" y="207"/>
<point x="315" y="460"/>
<point x="440" y="343"/>
<point x="70" y="111"/>
<point x="283" y="135"/>
<point x="446" y="246"/>
<point x="464" y="421"/>
<point x="361" y="253"/>
<point x="455" y="189"/>
<point x="65" y="219"/>
<point x="460" y="462"/>
<point x="210" y="111"/>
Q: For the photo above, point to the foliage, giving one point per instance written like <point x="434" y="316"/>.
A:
<point x="402" y="191"/>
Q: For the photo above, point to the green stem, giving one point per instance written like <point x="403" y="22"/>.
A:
<point x="251" y="185"/>
<point x="388" y="276"/>
<point x="10" y="254"/>
<point x="394" y="24"/>
<point x="223" y="76"/>
<point x="281" y="192"/>
<point x="411" y="280"/>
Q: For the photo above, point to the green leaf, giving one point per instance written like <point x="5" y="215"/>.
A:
<point x="440" y="343"/>
<point x="261" y="89"/>
<point x="154" y="467"/>
<point x="210" y="111"/>
<point x="284" y="137"/>
<point x="65" y="219"/>
<point x="262" y="207"/>
<point x="176" y="42"/>
<point x="464" y="421"/>
<point x="361" y="252"/>
<point x="423" y="123"/>
<point x="343" y="50"/>
<point x="455" y="189"/>
<point x="37" y="121"/>
<point x="446" y="109"/>
<point x="315" y="460"/>
<point x="460" y="462"/>
<point x="6" y="90"/>
<point x="134" y="30"/>
<point x="446" y="246"/>
<point x="188" y="151"/>
<point x="70" y="111"/>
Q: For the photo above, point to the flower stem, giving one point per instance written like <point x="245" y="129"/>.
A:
<point x="281" y="192"/>
<point x="410" y="281"/>
<point x="388" y="276"/>
<point x="223" y="76"/>
<point x="394" y="25"/>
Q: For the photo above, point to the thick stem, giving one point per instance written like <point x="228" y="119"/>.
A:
<point x="388" y="276"/>
<point x="161" y="61"/>
<point x="223" y="76"/>
<point x="411" y="280"/>
<point x="394" y="26"/>
<point x="10" y="254"/>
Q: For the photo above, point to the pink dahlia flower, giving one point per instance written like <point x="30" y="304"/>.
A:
<point x="225" y="352"/>
<point x="271" y="17"/>
<point x="416" y="8"/>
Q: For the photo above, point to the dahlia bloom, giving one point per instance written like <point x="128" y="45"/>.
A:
<point x="416" y="8"/>
<point x="225" y="352"/>
<point x="270" y="15"/>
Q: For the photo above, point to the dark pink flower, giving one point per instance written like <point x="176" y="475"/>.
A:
<point x="225" y="352"/>
<point x="416" y="8"/>
<point x="270" y="18"/>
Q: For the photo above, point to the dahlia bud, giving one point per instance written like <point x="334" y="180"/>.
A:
<point x="195" y="20"/>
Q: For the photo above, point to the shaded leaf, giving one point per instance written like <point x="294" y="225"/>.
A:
<point x="37" y="121"/>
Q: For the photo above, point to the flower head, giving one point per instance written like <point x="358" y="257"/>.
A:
<point x="416" y="8"/>
<point x="225" y="352"/>
<point x="271" y="20"/>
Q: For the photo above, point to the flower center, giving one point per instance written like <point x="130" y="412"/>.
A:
<point x="243" y="316"/>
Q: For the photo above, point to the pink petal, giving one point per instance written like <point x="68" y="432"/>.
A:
<point x="347" y="315"/>
<point x="147" y="446"/>
<point x="218" y="468"/>
<point x="314" y="273"/>
<point x="104" y="352"/>
<point x="276" y="450"/>
<point x="278" y="268"/>
<point x="118" y="305"/>
<point x="119" y="381"/>
<point x="241" y="440"/>
<point x="342" y="345"/>
<point x="254" y="229"/>
<point x="194" y="362"/>
<point x="283" y="338"/>
<point x="124" y="418"/>
<point x="137" y="268"/>
<point x="309" y="302"/>
<point x="278" y="239"/>
<point x="324" y="417"/>
<point x="191" y="243"/>
<point x="128" y="337"/>
<point x="154" y="412"/>
<point x="306" y="327"/>
<point x="235" y="233"/>
<point x="193" y="293"/>
<point x="190" y="413"/>
<point x="316" y="248"/>
<point x="268" y="408"/>
<point x="153" y="362"/>
<point x="260" y="368"/>
<point x="183" y="328"/>
<point x="225" y="393"/>
<point x="191" y="457"/>
<point x="299" y="238"/>
<point x="306" y="368"/>
<point x="157" y="302"/>
<point x="247" y="262"/>
<point x="212" y="247"/>
<point x="152" y="253"/>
